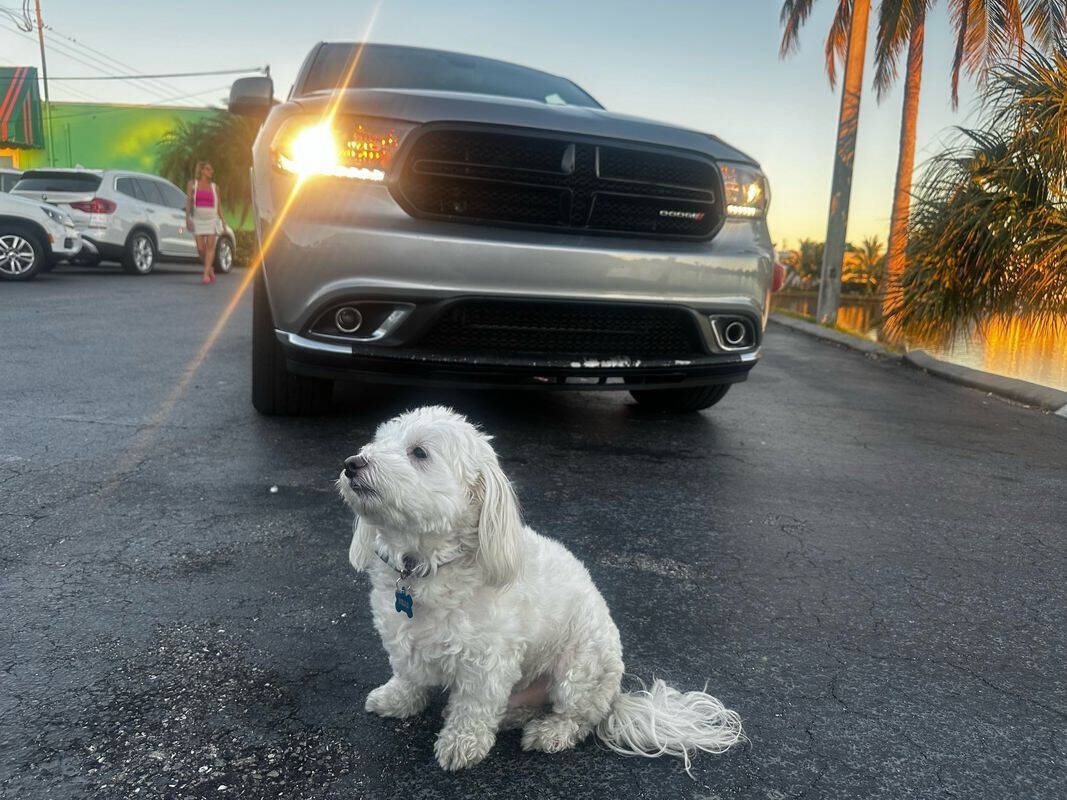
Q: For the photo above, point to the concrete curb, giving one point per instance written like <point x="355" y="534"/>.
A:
<point x="831" y="335"/>
<point x="1032" y="394"/>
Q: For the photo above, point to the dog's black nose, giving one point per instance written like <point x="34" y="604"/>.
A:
<point x="354" y="464"/>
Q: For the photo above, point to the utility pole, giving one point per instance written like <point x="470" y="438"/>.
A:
<point x="844" y="156"/>
<point x="44" y="75"/>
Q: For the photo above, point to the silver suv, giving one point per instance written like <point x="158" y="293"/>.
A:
<point x="443" y="219"/>
<point x="130" y="217"/>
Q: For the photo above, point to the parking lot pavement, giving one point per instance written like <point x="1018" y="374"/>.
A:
<point x="864" y="561"/>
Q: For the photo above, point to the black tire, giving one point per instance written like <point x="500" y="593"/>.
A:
<point x="140" y="254"/>
<point x="275" y="390"/>
<point x="223" y="255"/>
<point x="91" y="260"/>
<point x="22" y="256"/>
<point x="680" y="401"/>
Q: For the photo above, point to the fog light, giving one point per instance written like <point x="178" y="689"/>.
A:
<point x="347" y="319"/>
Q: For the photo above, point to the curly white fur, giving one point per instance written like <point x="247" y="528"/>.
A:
<point x="507" y="620"/>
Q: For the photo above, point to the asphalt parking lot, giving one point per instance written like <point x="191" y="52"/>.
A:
<point x="864" y="561"/>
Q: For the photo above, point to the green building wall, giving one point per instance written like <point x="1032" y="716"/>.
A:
<point x="99" y="136"/>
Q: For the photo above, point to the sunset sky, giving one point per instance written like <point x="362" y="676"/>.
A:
<point x="709" y="65"/>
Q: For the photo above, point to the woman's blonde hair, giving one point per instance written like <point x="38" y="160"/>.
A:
<point x="199" y="168"/>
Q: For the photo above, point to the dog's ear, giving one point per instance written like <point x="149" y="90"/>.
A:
<point x="500" y="529"/>
<point x="361" y="551"/>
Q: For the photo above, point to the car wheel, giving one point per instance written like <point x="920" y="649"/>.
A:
<point x="223" y="255"/>
<point x="275" y="390"/>
<point x="140" y="255"/>
<point x="680" y="401"/>
<point x="21" y="255"/>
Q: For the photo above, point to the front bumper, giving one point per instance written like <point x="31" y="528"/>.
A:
<point x="316" y="358"/>
<point x="336" y="242"/>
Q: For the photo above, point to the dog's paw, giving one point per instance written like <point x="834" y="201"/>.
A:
<point x="459" y="748"/>
<point x="551" y="734"/>
<point x="393" y="700"/>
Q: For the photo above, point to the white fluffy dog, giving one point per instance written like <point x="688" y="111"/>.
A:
<point x="467" y="598"/>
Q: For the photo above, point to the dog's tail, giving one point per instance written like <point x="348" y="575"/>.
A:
<point x="660" y="721"/>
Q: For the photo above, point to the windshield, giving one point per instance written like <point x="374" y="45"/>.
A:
<point x="393" y="67"/>
<point x="45" y="181"/>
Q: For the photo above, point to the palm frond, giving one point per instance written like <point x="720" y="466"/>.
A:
<point x="794" y="14"/>
<point x="988" y="228"/>
<point x="1047" y="19"/>
<point x="836" y="49"/>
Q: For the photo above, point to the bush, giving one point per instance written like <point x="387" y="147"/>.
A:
<point x="247" y="247"/>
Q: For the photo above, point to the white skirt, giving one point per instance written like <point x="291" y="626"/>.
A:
<point x="205" y="221"/>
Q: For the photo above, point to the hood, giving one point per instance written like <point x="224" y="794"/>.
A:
<point x="16" y="204"/>
<point x="416" y="105"/>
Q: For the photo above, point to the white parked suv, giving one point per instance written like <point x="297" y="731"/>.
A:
<point x="33" y="237"/>
<point x="130" y="217"/>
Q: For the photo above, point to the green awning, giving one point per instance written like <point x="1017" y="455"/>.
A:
<point x="20" y="108"/>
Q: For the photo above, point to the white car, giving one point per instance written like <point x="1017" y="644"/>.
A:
<point x="8" y="178"/>
<point x="33" y="237"/>
<point x="130" y="217"/>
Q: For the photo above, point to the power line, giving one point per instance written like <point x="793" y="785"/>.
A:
<point x="21" y="17"/>
<point x="161" y="75"/>
<point x="66" y="53"/>
<point x="163" y="102"/>
<point x="107" y="58"/>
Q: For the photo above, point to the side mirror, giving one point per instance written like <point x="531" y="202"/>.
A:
<point x="252" y="97"/>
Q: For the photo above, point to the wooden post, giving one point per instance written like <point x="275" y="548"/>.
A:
<point x="44" y="76"/>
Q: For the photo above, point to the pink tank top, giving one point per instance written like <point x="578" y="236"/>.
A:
<point x="205" y="198"/>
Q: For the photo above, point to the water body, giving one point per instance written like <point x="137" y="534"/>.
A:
<point x="1006" y="346"/>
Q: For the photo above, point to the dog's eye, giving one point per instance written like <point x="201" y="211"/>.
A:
<point x="419" y="453"/>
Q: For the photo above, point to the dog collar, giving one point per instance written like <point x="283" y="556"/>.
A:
<point x="405" y="603"/>
<point x="410" y="565"/>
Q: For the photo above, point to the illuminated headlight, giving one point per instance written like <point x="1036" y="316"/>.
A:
<point x="358" y="148"/>
<point x="747" y="193"/>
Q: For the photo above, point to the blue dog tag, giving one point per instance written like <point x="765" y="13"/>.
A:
<point x="404" y="603"/>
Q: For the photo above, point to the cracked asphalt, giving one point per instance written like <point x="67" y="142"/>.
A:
<point x="866" y="562"/>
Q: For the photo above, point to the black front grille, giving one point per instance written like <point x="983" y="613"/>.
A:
<point x="555" y="181"/>
<point x="568" y="330"/>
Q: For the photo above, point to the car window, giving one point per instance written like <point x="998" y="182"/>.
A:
<point x="41" y="180"/>
<point x="151" y="192"/>
<point x="172" y="195"/>
<point x="129" y="187"/>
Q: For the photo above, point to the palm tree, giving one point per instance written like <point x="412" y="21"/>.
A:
<point x="986" y="32"/>
<point x="223" y="139"/>
<point x="865" y="265"/>
<point x="988" y="233"/>
<point x="847" y="42"/>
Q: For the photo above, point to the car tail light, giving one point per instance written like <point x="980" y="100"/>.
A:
<point x="98" y="205"/>
<point x="778" y="281"/>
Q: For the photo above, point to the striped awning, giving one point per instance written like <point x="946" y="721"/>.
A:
<point x="20" y="108"/>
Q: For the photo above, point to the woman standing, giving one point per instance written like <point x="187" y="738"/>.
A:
<point x="203" y="215"/>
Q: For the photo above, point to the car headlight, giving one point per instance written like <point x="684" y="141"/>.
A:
<point x="361" y="148"/>
<point x="53" y="214"/>
<point x="747" y="193"/>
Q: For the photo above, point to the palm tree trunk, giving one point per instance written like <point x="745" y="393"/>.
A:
<point x="896" y="259"/>
<point x="845" y="154"/>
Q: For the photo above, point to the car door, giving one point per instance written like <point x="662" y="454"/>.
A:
<point x="160" y="216"/>
<point x="131" y="206"/>
<point x="185" y="244"/>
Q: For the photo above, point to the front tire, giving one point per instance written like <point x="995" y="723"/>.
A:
<point x="22" y="256"/>
<point x="680" y="401"/>
<point x="275" y="390"/>
<point x="223" y="255"/>
<point x="140" y="255"/>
